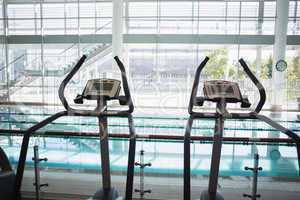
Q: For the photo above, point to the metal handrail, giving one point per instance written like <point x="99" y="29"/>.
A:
<point x="244" y="140"/>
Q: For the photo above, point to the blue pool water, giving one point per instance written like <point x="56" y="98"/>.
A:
<point x="166" y="156"/>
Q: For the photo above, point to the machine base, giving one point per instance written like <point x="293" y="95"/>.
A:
<point x="111" y="194"/>
<point x="205" y="195"/>
<point x="6" y="184"/>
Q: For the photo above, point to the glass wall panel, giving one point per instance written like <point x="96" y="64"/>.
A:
<point x="25" y="73"/>
<point x="104" y="18"/>
<point x="23" y="19"/>
<point x="72" y="22"/>
<point x="165" y="70"/>
<point x="293" y="76"/>
<point x="53" y="19"/>
<point x="87" y="18"/>
<point x="142" y="17"/>
<point x="294" y="18"/>
<point x="151" y="17"/>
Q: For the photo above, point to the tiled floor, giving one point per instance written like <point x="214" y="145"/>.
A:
<point x="72" y="185"/>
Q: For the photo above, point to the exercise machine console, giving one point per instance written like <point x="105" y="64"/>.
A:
<point x="222" y="92"/>
<point x="98" y="88"/>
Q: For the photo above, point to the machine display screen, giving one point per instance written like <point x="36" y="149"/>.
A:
<point x="95" y="88"/>
<point x="102" y="86"/>
<point x="221" y="90"/>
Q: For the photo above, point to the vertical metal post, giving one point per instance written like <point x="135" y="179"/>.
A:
<point x="187" y="157"/>
<point x="42" y="52"/>
<point x="127" y="20"/>
<point x="37" y="175"/>
<point x="131" y="159"/>
<point x="142" y="166"/>
<point x="5" y="28"/>
<point x="95" y="16"/>
<point x="104" y="146"/>
<point x="78" y="28"/>
<point x="216" y="151"/>
<point x="36" y="172"/>
<point x="255" y="174"/>
<point x="255" y="170"/>
<point x="65" y="17"/>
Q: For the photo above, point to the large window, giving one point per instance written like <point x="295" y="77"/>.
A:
<point x="59" y="18"/>
<point x="159" y="64"/>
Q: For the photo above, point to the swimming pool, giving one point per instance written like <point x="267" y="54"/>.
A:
<point x="82" y="153"/>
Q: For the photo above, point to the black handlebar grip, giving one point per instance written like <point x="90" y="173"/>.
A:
<point x="125" y="83"/>
<point x="67" y="79"/>
<point x="120" y="64"/>
<point x="196" y="84"/>
<point x="260" y="87"/>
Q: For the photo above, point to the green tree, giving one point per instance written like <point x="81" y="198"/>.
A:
<point x="266" y="68"/>
<point x="295" y="65"/>
<point x="218" y="64"/>
<point x="293" y="75"/>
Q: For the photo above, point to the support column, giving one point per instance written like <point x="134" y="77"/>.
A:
<point x="117" y="48"/>
<point x="117" y="28"/>
<point x="278" y="78"/>
<point x="259" y="32"/>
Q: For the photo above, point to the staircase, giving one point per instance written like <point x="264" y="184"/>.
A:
<point x="32" y="75"/>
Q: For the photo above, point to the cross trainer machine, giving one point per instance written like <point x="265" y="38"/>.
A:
<point x="101" y="90"/>
<point x="222" y="92"/>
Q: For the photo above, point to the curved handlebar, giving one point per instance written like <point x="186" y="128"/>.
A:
<point x="260" y="87"/>
<point x="196" y="83"/>
<point x="249" y="73"/>
<point x="125" y="83"/>
<point x="74" y="71"/>
<point x="61" y="90"/>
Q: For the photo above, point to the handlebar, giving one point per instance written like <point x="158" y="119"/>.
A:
<point x="196" y="84"/>
<point x="260" y="87"/>
<point x="249" y="73"/>
<point x="75" y="70"/>
<point x="61" y="90"/>
<point x="125" y="83"/>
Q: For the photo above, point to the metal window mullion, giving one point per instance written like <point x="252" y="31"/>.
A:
<point x="6" y="45"/>
<point x="260" y="16"/>
<point x="295" y="11"/>
<point x="156" y="43"/>
<point x="95" y="15"/>
<point x="127" y="22"/>
<point x="42" y="51"/>
<point x="35" y="20"/>
<point x="65" y="17"/>
<point x="78" y="29"/>
<point x="226" y="16"/>
<point x="239" y="34"/>
<point x="193" y="15"/>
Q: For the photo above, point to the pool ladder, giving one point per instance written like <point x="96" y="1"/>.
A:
<point x="37" y="171"/>
<point x="255" y="171"/>
<point x="142" y="166"/>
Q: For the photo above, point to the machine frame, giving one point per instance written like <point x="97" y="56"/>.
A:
<point x="101" y="113"/>
<point x="219" y="128"/>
